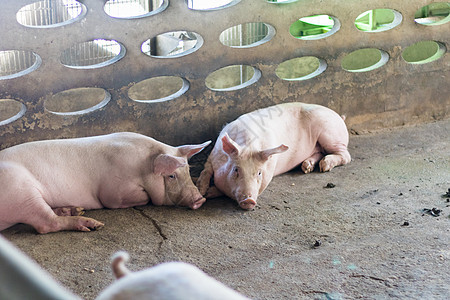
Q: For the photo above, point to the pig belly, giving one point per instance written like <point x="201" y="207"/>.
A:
<point x="132" y="196"/>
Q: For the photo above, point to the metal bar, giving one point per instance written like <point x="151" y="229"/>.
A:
<point x="22" y="278"/>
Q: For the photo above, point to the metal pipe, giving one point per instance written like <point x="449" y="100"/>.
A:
<point x="21" y="278"/>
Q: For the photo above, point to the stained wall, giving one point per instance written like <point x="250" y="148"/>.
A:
<point x="395" y="94"/>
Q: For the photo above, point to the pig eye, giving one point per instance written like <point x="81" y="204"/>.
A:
<point x="172" y="176"/>
<point x="259" y="173"/>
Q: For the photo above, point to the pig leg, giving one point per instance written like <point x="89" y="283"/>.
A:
<point x="213" y="192"/>
<point x="338" y="158"/>
<point x="45" y="220"/>
<point x="21" y="201"/>
<point x="333" y="160"/>
<point x="40" y="215"/>
<point x="309" y="164"/>
<point x="337" y="155"/>
<point x="333" y="141"/>
<point x="205" y="177"/>
<point x="69" y="211"/>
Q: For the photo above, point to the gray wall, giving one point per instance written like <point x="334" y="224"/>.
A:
<point x="396" y="94"/>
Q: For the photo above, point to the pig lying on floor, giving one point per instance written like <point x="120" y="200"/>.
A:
<point x="267" y="142"/>
<point x="47" y="184"/>
<point x="170" y="281"/>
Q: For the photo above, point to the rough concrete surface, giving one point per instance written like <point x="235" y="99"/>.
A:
<point x="376" y="240"/>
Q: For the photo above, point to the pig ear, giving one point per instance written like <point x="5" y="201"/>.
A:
<point x="229" y="146"/>
<point x="266" y="154"/>
<point x="191" y="150"/>
<point x="165" y="164"/>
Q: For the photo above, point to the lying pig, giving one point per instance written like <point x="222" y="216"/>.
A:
<point x="47" y="184"/>
<point x="267" y="142"/>
<point x="167" y="281"/>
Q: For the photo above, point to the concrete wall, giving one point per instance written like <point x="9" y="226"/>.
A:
<point x="398" y="93"/>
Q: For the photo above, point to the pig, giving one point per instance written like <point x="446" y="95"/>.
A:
<point x="169" y="281"/>
<point x="267" y="142"/>
<point x="49" y="184"/>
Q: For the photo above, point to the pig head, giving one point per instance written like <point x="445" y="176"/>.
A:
<point x="174" y="172"/>
<point x="247" y="171"/>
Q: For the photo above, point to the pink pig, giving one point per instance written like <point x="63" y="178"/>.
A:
<point x="47" y="184"/>
<point x="267" y="142"/>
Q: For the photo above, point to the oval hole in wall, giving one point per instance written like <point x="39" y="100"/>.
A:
<point x="172" y="44"/>
<point x="51" y="13"/>
<point x="433" y="14"/>
<point x="364" y="60"/>
<point x="77" y="101"/>
<point x="232" y="78"/>
<point x="424" y="52"/>
<point x="377" y="20"/>
<point x="301" y="68"/>
<point x="10" y="110"/>
<point x="16" y="63"/>
<point x="314" y="27"/>
<point x="158" y="89"/>
<point x="210" y="4"/>
<point x="247" y="35"/>
<point x="131" y="9"/>
<point x="92" y="54"/>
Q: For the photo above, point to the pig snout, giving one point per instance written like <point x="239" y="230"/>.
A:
<point x="247" y="203"/>
<point x="192" y="198"/>
<point x="197" y="203"/>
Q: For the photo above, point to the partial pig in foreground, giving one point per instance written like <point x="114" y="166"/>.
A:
<point x="48" y="184"/>
<point x="267" y="142"/>
<point x="170" y="281"/>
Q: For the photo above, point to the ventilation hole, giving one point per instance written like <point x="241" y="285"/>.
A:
<point x="16" y="63"/>
<point x="210" y="5"/>
<point x="364" y="60"/>
<point x="281" y="1"/>
<point x="247" y="35"/>
<point x="172" y="44"/>
<point x="10" y="110"/>
<point x="424" y="52"/>
<point x="158" y="89"/>
<point x="314" y="27"/>
<point x="93" y="54"/>
<point x="51" y="13"/>
<point x="301" y="68"/>
<point x="77" y="101"/>
<point x="232" y="78"/>
<point x="132" y="9"/>
<point x="433" y="14"/>
<point x="377" y="20"/>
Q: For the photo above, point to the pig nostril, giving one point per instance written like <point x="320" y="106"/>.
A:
<point x="197" y="203"/>
<point x="247" y="204"/>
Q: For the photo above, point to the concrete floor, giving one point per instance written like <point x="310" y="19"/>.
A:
<point x="376" y="240"/>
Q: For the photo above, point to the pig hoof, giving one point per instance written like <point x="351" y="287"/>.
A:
<point x="307" y="167"/>
<point x="325" y="166"/>
<point x="69" y="211"/>
<point x="247" y="204"/>
<point x="77" y="211"/>
<point x="88" y="224"/>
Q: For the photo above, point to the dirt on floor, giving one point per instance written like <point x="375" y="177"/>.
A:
<point x="377" y="228"/>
